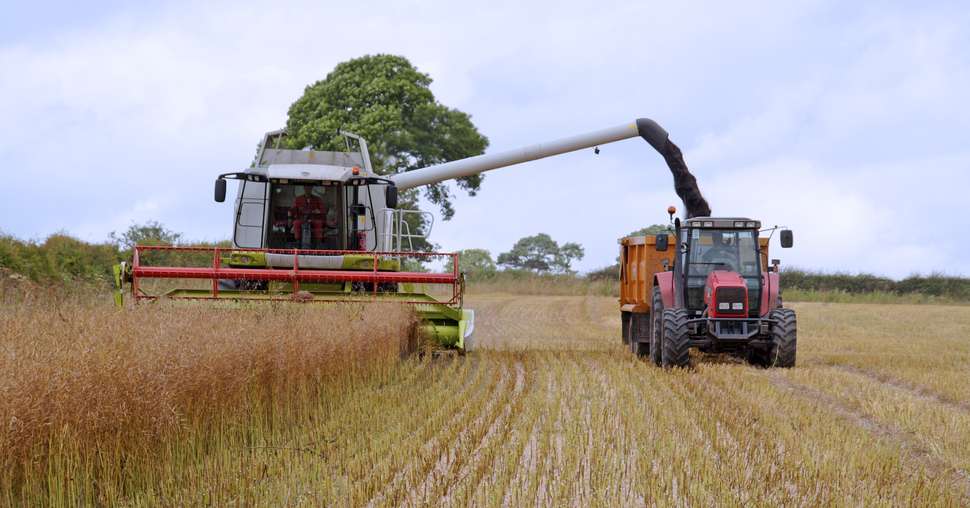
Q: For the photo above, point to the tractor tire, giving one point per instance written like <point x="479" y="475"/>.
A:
<point x="625" y="326"/>
<point x="656" y="325"/>
<point x="639" y="329"/>
<point x="784" y="339"/>
<point x="675" y="343"/>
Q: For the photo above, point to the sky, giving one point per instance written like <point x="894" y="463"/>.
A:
<point x="848" y="122"/>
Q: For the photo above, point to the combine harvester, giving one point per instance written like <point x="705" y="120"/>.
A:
<point x="320" y="226"/>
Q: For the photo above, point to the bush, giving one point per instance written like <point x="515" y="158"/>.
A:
<point x="60" y="258"/>
<point x="936" y="285"/>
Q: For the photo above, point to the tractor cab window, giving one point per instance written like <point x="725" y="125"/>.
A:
<point x="720" y="249"/>
<point x="713" y="249"/>
<point x="304" y="216"/>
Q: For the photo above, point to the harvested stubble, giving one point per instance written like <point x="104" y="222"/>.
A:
<point x="91" y="396"/>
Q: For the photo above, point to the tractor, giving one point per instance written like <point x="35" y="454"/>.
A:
<point x="706" y="284"/>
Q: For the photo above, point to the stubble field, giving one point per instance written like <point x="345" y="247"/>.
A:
<point x="552" y="410"/>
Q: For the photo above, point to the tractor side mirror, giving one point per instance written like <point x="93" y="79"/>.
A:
<point x="787" y="239"/>
<point x="390" y="196"/>
<point x="220" y="193"/>
<point x="662" y="242"/>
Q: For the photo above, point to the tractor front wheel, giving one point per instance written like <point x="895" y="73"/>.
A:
<point x="784" y="341"/>
<point x="784" y="338"/>
<point x="675" y="341"/>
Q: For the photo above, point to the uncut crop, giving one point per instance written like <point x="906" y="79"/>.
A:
<point x="91" y="396"/>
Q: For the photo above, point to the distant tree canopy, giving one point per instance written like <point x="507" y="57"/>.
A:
<point x="653" y="229"/>
<point x="149" y="233"/>
<point x="541" y="254"/>
<point x="476" y="263"/>
<point x="612" y="271"/>
<point x="388" y="101"/>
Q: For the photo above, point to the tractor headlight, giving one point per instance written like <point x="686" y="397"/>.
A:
<point x="737" y="306"/>
<point x="724" y="306"/>
<point x="739" y="224"/>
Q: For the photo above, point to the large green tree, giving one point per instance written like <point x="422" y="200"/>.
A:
<point x="388" y="101"/>
<point x="541" y="254"/>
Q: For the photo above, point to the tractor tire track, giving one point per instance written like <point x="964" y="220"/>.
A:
<point x="889" y="434"/>
<point x="905" y="387"/>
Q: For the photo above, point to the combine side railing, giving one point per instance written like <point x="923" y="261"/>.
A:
<point x="370" y="274"/>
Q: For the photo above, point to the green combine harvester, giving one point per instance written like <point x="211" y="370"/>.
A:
<point x="321" y="226"/>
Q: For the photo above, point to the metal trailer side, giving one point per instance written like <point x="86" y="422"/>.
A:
<point x="639" y="261"/>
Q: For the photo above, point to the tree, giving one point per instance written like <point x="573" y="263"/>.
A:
<point x="541" y="254"/>
<point x="610" y="272"/>
<point x="388" y="101"/>
<point x="149" y="233"/>
<point x="654" y="229"/>
<point x="476" y="263"/>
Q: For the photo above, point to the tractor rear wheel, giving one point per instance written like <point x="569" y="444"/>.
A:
<point x="639" y="329"/>
<point x="675" y="341"/>
<point x="656" y="325"/>
<point x="784" y="339"/>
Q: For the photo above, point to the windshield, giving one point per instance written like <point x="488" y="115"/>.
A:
<point x="717" y="249"/>
<point x="304" y="216"/>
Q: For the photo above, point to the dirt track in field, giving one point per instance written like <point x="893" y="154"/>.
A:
<point x="552" y="410"/>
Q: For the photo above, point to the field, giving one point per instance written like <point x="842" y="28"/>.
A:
<point x="552" y="410"/>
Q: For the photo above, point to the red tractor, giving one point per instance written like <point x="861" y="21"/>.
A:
<point x="706" y="284"/>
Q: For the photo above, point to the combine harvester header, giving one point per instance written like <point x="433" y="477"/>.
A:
<point x="321" y="226"/>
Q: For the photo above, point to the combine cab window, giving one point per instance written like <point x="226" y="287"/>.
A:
<point x="304" y="216"/>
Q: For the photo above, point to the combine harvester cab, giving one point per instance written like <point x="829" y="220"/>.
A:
<point x="705" y="284"/>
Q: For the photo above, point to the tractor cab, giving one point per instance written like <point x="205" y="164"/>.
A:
<point x="721" y="263"/>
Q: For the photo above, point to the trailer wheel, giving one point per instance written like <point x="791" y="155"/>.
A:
<point x="784" y="339"/>
<point x="625" y="326"/>
<point x="656" y="325"/>
<point x="639" y="329"/>
<point x="675" y="341"/>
